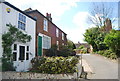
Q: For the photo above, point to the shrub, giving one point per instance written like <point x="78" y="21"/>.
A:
<point x="54" y="65"/>
<point x="113" y="41"/>
<point x="52" y="51"/>
<point x="108" y="54"/>
<point x="64" y="51"/>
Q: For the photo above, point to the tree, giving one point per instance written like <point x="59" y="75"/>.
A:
<point x="90" y="36"/>
<point x="113" y="41"/>
<point x="99" y="12"/>
<point x="8" y="39"/>
<point x="70" y="44"/>
<point x="95" y="37"/>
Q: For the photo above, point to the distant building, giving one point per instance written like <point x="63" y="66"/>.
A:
<point x="22" y="52"/>
<point x="86" y="45"/>
<point x="47" y="33"/>
<point x="107" y="25"/>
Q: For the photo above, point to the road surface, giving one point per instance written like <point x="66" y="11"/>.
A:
<point x="101" y="67"/>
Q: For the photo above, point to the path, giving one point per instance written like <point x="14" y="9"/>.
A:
<point x="101" y="68"/>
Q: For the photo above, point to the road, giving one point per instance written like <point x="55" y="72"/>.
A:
<point x="101" y="67"/>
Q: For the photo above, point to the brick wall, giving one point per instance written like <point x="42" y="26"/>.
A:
<point x="51" y="29"/>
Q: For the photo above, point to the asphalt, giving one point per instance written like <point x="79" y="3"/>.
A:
<point x="99" y="67"/>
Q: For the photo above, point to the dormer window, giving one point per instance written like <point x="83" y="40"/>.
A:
<point x="45" y="25"/>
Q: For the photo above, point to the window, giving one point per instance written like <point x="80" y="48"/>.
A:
<point x="22" y="52"/>
<point x="57" y="32"/>
<point x="27" y="48"/>
<point x="14" y="56"/>
<point x="15" y="47"/>
<point x="35" y="17"/>
<point x="27" y="56"/>
<point x="45" y="25"/>
<point x="21" y="21"/>
<point x="14" y="52"/>
<point x="62" y="36"/>
<point x="63" y="44"/>
<point x="46" y="42"/>
<point x="57" y="43"/>
<point x="27" y="53"/>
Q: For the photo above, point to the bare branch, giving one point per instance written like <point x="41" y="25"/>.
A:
<point x="99" y="12"/>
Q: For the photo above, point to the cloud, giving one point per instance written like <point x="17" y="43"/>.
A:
<point x="55" y="7"/>
<point x="80" y="20"/>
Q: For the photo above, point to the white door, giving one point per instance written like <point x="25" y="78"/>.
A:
<point x="22" y="62"/>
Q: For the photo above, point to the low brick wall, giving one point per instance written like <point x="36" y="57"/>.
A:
<point x="30" y="75"/>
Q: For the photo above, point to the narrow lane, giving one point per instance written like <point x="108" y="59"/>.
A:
<point x="102" y="68"/>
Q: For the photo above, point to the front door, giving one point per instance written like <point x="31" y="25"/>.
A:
<point x="39" y="46"/>
<point x="21" y="58"/>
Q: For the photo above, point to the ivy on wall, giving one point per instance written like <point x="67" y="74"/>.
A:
<point x="13" y="34"/>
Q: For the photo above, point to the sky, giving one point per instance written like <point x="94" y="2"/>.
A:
<point x="68" y="15"/>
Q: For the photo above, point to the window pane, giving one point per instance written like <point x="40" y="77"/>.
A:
<point x="27" y="56"/>
<point x="14" y="56"/>
<point x="45" y="25"/>
<point x="15" y="47"/>
<point x="46" y="42"/>
<point x="22" y="53"/>
<point x="22" y="21"/>
<point x="19" y="16"/>
<point x="18" y="24"/>
<point x="27" y="48"/>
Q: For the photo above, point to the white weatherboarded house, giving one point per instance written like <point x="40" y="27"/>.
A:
<point x="23" y="52"/>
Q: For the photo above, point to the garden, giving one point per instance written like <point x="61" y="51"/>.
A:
<point x="56" y="61"/>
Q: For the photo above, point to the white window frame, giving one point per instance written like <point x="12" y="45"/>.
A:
<point x="15" y="51"/>
<point x="63" y="44"/>
<point x="63" y="36"/>
<point x="22" y="21"/>
<point x="45" y="24"/>
<point x="57" y="43"/>
<point x="48" y="44"/>
<point x="57" y="32"/>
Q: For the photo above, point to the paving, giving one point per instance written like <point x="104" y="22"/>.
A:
<point x="99" y="67"/>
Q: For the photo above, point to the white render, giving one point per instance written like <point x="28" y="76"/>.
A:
<point x="12" y="18"/>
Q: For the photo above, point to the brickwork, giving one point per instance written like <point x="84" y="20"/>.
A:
<point x="51" y="28"/>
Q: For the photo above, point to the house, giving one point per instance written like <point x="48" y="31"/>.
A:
<point x="89" y="47"/>
<point x="47" y="33"/>
<point x="23" y="52"/>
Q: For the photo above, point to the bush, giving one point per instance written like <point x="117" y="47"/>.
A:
<point x="113" y="41"/>
<point x="54" y="65"/>
<point x="108" y="54"/>
<point x="64" y="51"/>
<point x="7" y="65"/>
<point x="52" y="51"/>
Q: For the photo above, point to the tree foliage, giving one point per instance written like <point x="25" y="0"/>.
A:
<point x="70" y="44"/>
<point x="8" y="39"/>
<point x="95" y="37"/>
<point x="113" y="41"/>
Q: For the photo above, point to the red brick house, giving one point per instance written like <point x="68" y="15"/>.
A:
<point x="47" y="33"/>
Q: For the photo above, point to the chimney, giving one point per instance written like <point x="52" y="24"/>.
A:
<point x="29" y="9"/>
<point x="49" y="16"/>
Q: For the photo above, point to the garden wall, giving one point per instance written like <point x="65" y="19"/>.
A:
<point x="30" y="75"/>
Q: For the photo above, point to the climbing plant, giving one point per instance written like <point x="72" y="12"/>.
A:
<point x="13" y="34"/>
